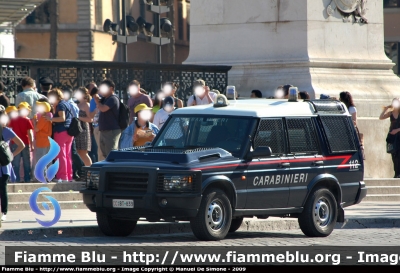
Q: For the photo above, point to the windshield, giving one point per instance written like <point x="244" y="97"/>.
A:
<point x="228" y="133"/>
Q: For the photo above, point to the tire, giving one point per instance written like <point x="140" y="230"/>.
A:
<point x="319" y="215"/>
<point x="235" y="224"/>
<point x="214" y="218"/>
<point x="114" y="227"/>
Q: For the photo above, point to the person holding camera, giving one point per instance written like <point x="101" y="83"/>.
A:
<point x="141" y="130"/>
<point x="392" y="111"/>
<point x="202" y="94"/>
<point x="4" y="100"/>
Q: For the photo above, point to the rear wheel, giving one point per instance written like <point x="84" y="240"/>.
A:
<point x="319" y="215"/>
<point x="214" y="217"/>
<point x="115" y="227"/>
<point x="235" y="224"/>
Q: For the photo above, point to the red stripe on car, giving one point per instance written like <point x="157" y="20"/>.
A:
<point x="342" y="165"/>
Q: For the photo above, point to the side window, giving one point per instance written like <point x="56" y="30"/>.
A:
<point x="339" y="133"/>
<point x="270" y="133"/>
<point x="302" y="137"/>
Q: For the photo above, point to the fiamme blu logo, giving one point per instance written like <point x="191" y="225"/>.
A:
<point x="44" y="172"/>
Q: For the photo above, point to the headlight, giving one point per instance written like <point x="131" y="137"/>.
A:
<point x="178" y="183"/>
<point x="92" y="179"/>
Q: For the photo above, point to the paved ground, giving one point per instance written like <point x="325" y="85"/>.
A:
<point x="344" y="237"/>
<point x="24" y="222"/>
<point x="84" y="217"/>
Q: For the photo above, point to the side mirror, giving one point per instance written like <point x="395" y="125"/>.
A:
<point x="261" y="151"/>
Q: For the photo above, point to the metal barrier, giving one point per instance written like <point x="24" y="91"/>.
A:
<point x="81" y="73"/>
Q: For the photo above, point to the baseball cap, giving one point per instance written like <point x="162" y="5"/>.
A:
<point x="141" y="107"/>
<point x="168" y="101"/>
<point x="10" y="109"/>
<point x="45" y="81"/>
<point x="24" y="105"/>
<point x="45" y="104"/>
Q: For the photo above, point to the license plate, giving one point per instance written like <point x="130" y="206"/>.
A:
<point x="118" y="203"/>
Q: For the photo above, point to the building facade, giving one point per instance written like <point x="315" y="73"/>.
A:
<point x="81" y="35"/>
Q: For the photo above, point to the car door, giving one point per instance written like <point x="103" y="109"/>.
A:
<point x="264" y="187"/>
<point x="304" y="155"/>
<point x="343" y="160"/>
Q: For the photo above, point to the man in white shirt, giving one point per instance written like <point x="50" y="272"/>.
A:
<point x="202" y="94"/>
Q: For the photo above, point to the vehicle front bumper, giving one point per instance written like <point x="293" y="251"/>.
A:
<point x="149" y="206"/>
<point x="147" y="203"/>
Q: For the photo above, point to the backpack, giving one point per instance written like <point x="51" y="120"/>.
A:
<point x="123" y="115"/>
<point x="6" y="156"/>
<point x="75" y="128"/>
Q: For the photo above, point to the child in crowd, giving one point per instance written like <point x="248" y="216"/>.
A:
<point x="23" y="128"/>
<point x="163" y="114"/>
<point x="12" y="112"/>
<point x="43" y="130"/>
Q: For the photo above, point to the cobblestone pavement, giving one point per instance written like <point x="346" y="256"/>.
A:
<point x="344" y="237"/>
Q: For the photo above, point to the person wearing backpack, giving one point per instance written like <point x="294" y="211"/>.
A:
<point x="6" y="170"/>
<point x="77" y="162"/>
<point x="62" y="121"/>
<point x="109" y="117"/>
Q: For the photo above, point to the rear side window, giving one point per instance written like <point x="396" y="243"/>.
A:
<point x="339" y="133"/>
<point x="270" y="133"/>
<point x="302" y="137"/>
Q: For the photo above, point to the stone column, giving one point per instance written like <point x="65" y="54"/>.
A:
<point x="274" y="42"/>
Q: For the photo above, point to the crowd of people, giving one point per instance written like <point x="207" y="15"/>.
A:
<point x="93" y="113"/>
<point x="86" y="123"/>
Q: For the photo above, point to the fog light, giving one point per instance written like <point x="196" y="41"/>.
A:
<point x="164" y="202"/>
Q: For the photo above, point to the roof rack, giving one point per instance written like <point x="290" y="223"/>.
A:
<point x="328" y="106"/>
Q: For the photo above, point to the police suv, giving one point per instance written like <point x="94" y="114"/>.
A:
<point x="213" y="165"/>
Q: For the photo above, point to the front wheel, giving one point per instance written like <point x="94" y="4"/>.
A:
<point x="214" y="218"/>
<point x="319" y="215"/>
<point x="115" y="227"/>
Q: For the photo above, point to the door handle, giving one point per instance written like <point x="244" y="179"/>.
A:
<point x="318" y="163"/>
<point x="285" y="165"/>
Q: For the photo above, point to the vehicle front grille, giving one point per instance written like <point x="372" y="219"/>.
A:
<point x="133" y="182"/>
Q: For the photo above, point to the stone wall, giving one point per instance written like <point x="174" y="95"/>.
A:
<point x="275" y="42"/>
